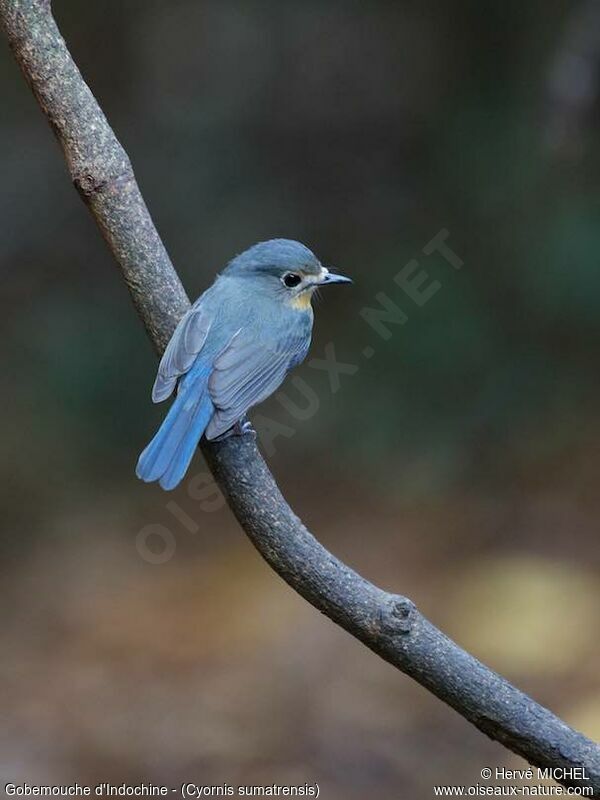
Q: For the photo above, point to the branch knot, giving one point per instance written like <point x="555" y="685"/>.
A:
<point x="398" y="615"/>
<point x="89" y="184"/>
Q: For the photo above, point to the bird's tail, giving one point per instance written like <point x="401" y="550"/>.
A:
<point x="168" y="455"/>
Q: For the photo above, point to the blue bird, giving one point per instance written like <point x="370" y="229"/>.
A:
<point x="232" y="350"/>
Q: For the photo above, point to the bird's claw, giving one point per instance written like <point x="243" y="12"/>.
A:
<point x="242" y="427"/>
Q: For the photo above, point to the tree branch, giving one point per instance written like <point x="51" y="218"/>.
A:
<point x="388" y="624"/>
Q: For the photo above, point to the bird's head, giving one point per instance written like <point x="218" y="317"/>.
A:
<point x="284" y="269"/>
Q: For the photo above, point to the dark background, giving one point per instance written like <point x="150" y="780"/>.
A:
<point x="459" y="465"/>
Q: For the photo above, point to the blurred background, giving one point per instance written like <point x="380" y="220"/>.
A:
<point x="143" y="637"/>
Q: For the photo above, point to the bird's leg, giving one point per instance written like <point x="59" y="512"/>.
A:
<point x="243" y="427"/>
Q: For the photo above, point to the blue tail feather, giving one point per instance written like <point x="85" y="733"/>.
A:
<point x="187" y="447"/>
<point x="168" y="455"/>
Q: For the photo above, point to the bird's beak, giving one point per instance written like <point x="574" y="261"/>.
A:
<point x="332" y="277"/>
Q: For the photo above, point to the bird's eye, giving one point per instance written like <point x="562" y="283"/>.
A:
<point x="291" y="279"/>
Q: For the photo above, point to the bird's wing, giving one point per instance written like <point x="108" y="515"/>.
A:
<point x="246" y="373"/>
<point x="185" y="344"/>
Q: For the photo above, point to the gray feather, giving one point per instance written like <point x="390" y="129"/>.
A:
<point x="185" y="344"/>
<point x="245" y="374"/>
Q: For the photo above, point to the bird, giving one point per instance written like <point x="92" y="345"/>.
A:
<point x="231" y="350"/>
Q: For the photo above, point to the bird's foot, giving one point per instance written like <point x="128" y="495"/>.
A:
<point x="242" y="427"/>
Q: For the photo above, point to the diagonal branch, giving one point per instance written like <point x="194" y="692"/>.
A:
<point x="388" y="624"/>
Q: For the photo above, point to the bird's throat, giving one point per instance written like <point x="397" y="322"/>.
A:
<point x="301" y="302"/>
